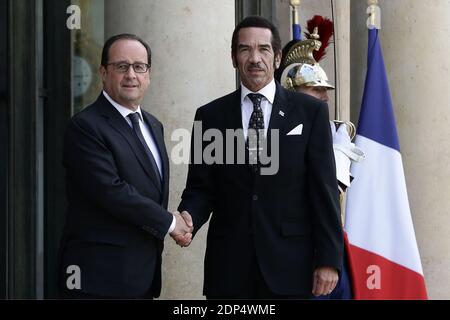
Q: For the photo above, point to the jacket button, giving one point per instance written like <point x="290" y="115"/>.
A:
<point x="255" y="197"/>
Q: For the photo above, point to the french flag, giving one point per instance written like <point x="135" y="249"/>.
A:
<point x="382" y="249"/>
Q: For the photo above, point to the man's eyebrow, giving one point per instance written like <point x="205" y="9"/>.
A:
<point x="125" y="61"/>
<point x="243" y="45"/>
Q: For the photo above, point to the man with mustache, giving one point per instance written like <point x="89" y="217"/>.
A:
<point x="271" y="236"/>
<point x="117" y="178"/>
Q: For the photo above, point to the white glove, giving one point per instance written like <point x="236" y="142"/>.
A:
<point x="344" y="152"/>
<point x="341" y="136"/>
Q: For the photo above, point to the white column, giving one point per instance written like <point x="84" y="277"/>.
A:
<point x="191" y="65"/>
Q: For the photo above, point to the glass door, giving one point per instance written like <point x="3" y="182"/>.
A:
<point x="3" y="148"/>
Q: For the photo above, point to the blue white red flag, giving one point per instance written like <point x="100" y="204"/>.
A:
<point x="385" y="261"/>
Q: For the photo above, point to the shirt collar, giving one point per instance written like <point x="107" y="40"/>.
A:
<point x="123" y="110"/>
<point x="268" y="91"/>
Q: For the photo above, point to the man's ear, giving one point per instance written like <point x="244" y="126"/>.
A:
<point x="277" y="60"/>
<point x="234" y="60"/>
<point x="102" y="71"/>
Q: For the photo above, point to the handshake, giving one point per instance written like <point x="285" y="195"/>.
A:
<point x="182" y="234"/>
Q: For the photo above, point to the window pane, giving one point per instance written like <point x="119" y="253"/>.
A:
<point x="87" y="44"/>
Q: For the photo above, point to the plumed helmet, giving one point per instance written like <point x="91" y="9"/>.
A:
<point x="300" y="64"/>
<point x="310" y="75"/>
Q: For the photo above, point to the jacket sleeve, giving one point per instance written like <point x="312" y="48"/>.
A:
<point x="198" y="196"/>
<point x="324" y="193"/>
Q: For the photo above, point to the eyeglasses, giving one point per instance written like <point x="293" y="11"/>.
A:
<point x="123" y="67"/>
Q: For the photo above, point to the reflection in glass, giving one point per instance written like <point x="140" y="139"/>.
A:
<point x="87" y="44"/>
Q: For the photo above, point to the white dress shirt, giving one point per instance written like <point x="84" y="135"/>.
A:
<point x="147" y="137"/>
<point x="266" y="105"/>
<point x="144" y="129"/>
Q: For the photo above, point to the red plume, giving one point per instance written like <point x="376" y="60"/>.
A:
<point x="326" y="30"/>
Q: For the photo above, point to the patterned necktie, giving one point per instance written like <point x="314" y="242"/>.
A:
<point x="256" y="127"/>
<point x="134" y="117"/>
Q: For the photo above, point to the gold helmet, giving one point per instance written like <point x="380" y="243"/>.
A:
<point x="300" y="64"/>
<point x="310" y="75"/>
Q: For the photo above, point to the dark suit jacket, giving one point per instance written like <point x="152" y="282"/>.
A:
<point x="117" y="217"/>
<point x="289" y="221"/>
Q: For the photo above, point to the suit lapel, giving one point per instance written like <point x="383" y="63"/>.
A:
<point x="279" y="116"/>
<point x="280" y="110"/>
<point x="234" y="121"/>
<point x="119" y="124"/>
<point x="159" y="139"/>
<point x="234" y="117"/>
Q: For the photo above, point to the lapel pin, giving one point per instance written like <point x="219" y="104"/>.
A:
<point x="281" y="113"/>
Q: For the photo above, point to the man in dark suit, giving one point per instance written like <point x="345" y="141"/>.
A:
<point x="271" y="235"/>
<point x="117" y="172"/>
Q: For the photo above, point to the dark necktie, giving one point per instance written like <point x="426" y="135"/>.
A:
<point x="134" y="117"/>
<point x="256" y="124"/>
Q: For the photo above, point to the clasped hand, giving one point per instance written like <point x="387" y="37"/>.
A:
<point x="182" y="234"/>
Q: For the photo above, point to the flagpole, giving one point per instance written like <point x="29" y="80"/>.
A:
<point x="337" y="109"/>
<point x="374" y="15"/>
<point x="296" y="28"/>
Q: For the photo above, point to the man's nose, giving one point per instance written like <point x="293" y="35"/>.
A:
<point x="130" y="73"/>
<point x="255" y="57"/>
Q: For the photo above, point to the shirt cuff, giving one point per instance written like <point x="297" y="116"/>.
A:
<point x="172" y="226"/>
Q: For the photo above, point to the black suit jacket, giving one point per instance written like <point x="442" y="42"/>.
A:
<point x="117" y="217"/>
<point x="290" y="221"/>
